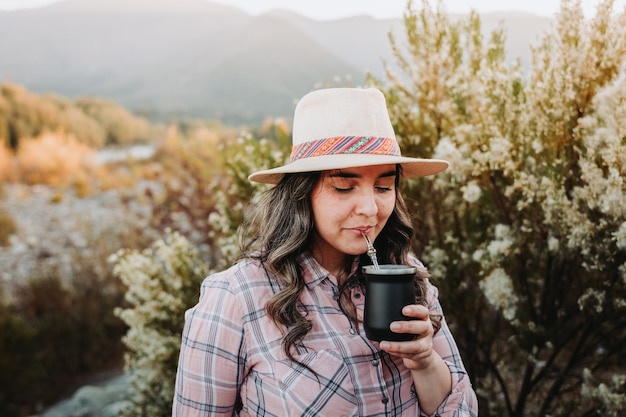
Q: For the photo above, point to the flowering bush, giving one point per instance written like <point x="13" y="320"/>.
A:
<point x="610" y="398"/>
<point x="163" y="281"/>
<point x="526" y="232"/>
<point x="234" y="193"/>
<point x="210" y="195"/>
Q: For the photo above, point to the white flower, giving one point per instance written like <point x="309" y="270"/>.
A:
<point x="478" y="254"/>
<point x="620" y="236"/>
<point x="502" y="244"/>
<point x="553" y="244"/>
<point x="471" y="192"/>
<point x="498" y="289"/>
<point x="447" y="150"/>
<point x="437" y="259"/>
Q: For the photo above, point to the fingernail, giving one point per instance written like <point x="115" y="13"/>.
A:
<point x="384" y="345"/>
<point x="395" y="326"/>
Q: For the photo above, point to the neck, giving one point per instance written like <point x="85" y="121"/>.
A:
<point x="337" y="266"/>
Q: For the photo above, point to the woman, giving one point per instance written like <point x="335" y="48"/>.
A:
<point x="281" y="332"/>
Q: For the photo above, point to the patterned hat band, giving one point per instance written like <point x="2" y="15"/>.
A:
<point x="337" y="128"/>
<point x="345" y="145"/>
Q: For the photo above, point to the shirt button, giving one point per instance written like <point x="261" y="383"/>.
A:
<point x="352" y="331"/>
<point x="375" y="362"/>
<point x="384" y="400"/>
<point x="357" y="295"/>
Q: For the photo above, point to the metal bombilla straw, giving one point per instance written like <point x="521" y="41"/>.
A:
<point x="371" y="251"/>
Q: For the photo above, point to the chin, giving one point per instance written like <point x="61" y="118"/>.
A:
<point x="355" y="251"/>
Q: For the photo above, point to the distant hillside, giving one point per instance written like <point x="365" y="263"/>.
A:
<point x="195" y="58"/>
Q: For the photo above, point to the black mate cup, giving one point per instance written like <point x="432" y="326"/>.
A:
<point x="387" y="291"/>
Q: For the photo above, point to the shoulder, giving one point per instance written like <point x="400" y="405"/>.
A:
<point x="247" y="281"/>
<point x="235" y="276"/>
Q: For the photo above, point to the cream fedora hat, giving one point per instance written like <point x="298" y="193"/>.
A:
<point x="339" y="128"/>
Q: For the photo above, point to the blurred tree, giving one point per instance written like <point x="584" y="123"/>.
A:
<point x="525" y="233"/>
<point x="121" y="126"/>
<point x="72" y="119"/>
<point x="94" y="122"/>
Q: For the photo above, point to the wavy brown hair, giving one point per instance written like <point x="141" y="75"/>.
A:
<point x="281" y="229"/>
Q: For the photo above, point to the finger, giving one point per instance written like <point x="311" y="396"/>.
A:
<point x="416" y="311"/>
<point x="413" y="349"/>
<point x="416" y="327"/>
<point x="397" y="348"/>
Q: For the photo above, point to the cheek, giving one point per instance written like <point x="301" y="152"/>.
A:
<point x="386" y="206"/>
<point x="320" y="203"/>
<point x="329" y="212"/>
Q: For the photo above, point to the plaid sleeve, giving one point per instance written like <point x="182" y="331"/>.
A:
<point x="462" y="400"/>
<point x="211" y="364"/>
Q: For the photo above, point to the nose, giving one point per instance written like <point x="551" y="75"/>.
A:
<point x="366" y="203"/>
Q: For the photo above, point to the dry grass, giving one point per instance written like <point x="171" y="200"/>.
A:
<point x="7" y="227"/>
<point x="6" y="163"/>
<point x="53" y="159"/>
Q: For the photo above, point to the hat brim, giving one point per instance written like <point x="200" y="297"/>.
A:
<point x="411" y="167"/>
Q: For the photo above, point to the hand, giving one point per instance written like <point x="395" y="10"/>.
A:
<point x="417" y="354"/>
<point x="431" y="375"/>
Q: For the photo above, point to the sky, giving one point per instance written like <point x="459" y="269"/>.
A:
<point x="336" y="9"/>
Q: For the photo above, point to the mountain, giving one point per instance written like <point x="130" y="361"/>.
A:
<point x="195" y="58"/>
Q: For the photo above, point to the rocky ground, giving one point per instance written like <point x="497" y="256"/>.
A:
<point x="56" y="229"/>
<point x="106" y="398"/>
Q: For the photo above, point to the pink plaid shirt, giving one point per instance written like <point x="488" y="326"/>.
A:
<point x="230" y="346"/>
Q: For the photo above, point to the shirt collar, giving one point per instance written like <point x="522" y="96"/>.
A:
<point x="314" y="273"/>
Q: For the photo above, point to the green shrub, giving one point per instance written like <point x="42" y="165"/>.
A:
<point x="54" y="333"/>
<point x="18" y="371"/>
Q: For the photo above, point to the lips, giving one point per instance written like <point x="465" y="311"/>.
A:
<point x="362" y="229"/>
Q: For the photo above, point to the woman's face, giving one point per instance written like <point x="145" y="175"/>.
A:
<point x="347" y="203"/>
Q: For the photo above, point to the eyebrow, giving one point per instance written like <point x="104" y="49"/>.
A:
<point x="343" y="174"/>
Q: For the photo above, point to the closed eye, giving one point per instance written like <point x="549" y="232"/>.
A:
<point x="342" y="190"/>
